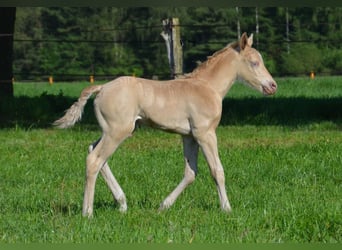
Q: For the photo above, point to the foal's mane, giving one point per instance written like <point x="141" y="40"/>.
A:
<point x="211" y="58"/>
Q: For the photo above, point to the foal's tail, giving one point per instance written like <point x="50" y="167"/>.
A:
<point x="74" y="113"/>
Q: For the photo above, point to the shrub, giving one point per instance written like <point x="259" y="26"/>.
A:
<point x="301" y="60"/>
<point x="332" y="61"/>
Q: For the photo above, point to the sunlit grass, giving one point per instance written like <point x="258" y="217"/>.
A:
<point x="284" y="186"/>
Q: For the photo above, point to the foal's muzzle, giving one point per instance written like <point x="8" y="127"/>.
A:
<point x="270" y="88"/>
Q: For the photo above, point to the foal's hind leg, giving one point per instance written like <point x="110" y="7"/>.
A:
<point x="95" y="162"/>
<point x="190" y="149"/>
<point x="112" y="183"/>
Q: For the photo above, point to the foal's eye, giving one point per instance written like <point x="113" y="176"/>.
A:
<point x="255" y="64"/>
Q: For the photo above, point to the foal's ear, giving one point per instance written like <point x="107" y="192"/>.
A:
<point x="243" y="41"/>
<point x="250" y="40"/>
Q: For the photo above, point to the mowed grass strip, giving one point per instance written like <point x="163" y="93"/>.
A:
<point x="299" y="101"/>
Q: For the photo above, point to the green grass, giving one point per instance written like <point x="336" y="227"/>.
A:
<point x="288" y="87"/>
<point x="32" y="89"/>
<point x="283" y="174"/>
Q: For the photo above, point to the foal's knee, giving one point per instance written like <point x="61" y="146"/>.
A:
<point x="218" y="175"/>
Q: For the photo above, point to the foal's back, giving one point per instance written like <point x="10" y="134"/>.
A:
<point x="174" y="105"/>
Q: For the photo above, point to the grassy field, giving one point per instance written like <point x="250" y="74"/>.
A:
<point x="282" y="157"/>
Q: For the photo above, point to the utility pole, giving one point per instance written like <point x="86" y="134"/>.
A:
<point x="171" y="35"/>
<point x="238" y="23"/>
<point x="257" y="27"/>
<point x="287" y="31"/>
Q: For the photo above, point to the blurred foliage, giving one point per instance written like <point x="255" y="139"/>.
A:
<point x="108" y="41"/>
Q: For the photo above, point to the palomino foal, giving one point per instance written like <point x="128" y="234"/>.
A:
<point x="190" y="106"/>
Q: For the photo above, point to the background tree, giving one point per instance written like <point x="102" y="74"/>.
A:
<point x="73" y="42"/>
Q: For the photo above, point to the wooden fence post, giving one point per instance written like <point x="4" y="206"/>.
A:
<point x="171" y="35"/>
<point x="177" y="48"/>
<point x="7" y="19"/>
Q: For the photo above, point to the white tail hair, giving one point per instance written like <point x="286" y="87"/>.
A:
<point x="74" y="113"/>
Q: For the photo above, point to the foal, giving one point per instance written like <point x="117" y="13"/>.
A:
<point x="190" y="106"/>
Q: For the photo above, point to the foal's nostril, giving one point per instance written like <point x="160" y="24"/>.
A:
<point x="270" y="88"/>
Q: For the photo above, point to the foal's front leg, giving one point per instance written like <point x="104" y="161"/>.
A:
<point x="208" y="143"/>
<point x="190" y="150"/>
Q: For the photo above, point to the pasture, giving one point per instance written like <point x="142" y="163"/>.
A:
<point x="282" y="157"/>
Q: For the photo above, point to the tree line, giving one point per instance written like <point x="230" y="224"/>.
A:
<point x="70" y="42"/>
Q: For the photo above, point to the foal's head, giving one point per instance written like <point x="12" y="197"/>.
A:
<point x="251" y="68"/>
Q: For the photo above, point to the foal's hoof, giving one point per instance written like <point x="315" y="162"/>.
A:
<point x="164" y="206"/>
<point x="87" y="215"/>
<point x="87" y="212"/>
<point x="123" y="209"/>
<point x="161" y="209"/>
<point x="227" y="208"/>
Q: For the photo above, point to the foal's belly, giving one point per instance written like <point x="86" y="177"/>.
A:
<point x="180" y="126"/>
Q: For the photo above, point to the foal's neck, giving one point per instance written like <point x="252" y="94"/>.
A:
<point x="219" y="72"/>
